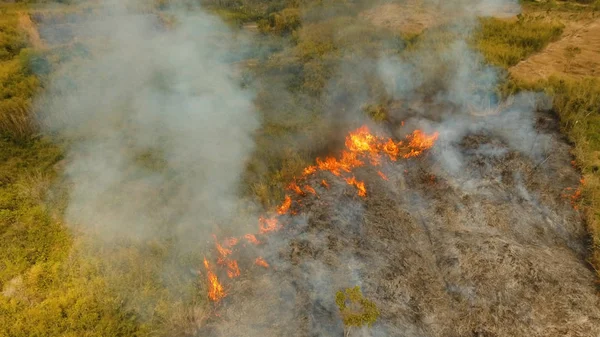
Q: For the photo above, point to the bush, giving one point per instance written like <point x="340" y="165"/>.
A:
<point x="356" y="310"/>
<point x="283" y="22"/>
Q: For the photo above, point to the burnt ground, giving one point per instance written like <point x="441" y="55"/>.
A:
<point x="497" y="250"/>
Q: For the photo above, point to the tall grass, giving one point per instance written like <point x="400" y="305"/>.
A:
<point x="506" y="43"/>
<point x="17" y="83"/>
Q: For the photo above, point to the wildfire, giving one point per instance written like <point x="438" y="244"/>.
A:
<point x="266" y="225"/>
<point x="261" y="262"/>
<point x="232" y="269"/>
<point x="294" y="187"/>
<point x="285" y="206"/>
<point x="251" y="238"/>
<point x="310" y="190"/>
<point x="420" y="142"/>
<point x="215" y="289"/>
<point x="360" y="186"/>
<point x="362" y="148"/>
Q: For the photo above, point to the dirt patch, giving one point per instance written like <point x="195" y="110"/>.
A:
<point x="414" y="16"/>
<point x="30" y="28"/>
<point x="411" y="17"/>
<point x="576" y="54"/>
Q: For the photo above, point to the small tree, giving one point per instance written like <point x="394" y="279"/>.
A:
<point x="355" y="309"/>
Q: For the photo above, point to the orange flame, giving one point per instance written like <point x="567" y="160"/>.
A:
<point x="232" y="269"/>
<point x="419" y="142"/>
<point x="294" y="187"/>
<point x="309" y="189"/>
<point x="361" y="147"/>
<point x="261" y="262"/>
<point x="285" y="206"/>
<point x="391" y="149"/>
<point x="360" y="186"/>
<point x="251" y="238"/>
<point x="266" y="225"/>
<point x="215" y="289"/>
<point x="361" y="140"/>
<point x="309" y="170"/>
<point x="230" y="242"/>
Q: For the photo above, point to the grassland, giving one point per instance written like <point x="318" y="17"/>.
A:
<point x="48" y="289"/>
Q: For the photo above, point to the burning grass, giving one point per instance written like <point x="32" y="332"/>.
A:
<point x="362" y="148"/>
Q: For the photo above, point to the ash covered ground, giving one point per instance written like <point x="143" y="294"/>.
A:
<point x="494" y="249"/>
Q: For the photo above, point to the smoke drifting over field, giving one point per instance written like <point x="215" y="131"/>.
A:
<point x="473" y="237"/>
<point x="160" y="129"/>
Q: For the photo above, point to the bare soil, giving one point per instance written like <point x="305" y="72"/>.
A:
<point x="575" y="54"/>
<point x="414" y="16"/>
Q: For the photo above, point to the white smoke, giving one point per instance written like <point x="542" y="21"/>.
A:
<point x="158" y="127"/>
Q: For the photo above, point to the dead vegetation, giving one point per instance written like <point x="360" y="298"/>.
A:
<point x="574" y="55"/>
<point x="496" y="250"/>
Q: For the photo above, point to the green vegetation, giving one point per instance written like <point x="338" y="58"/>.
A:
<point x="564" y="6"/>
<point x="505" y="43"/>
<point x="355" y="309"/>
<point x="51" y="283"/>
<point x="17" y="82"/>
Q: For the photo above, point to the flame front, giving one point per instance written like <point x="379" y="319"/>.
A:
<point x="215" y="289"/>
<point x="362" y="148"/>
<point x="261" y="262"/>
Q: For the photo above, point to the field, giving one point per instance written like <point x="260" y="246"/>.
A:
<point x="315" y="71"/>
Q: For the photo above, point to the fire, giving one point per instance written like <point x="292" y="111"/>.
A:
<point x="382" y="175"/>
<point x="310" y="190"/>
<point x="232" y="269"/>
<point x="362" y="148"/>
<point x="285" y="206"/>
<point x="251" y="238"/>
<point x="361" y="140"/>
<point x="294" y="187"/>
<point x="266" y="225"/>
<point x="261" y="262"/>
<point x="360" y="186"/>
<point x="223" y="252"/>
<point x="391" y="149"/>
<point x="230" y="242"/>
<point x="420" y="142"/>
<point x="309" y="170"/>
<point x="215" y="289"/>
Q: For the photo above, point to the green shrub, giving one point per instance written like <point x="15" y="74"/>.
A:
<point x="283" y="22"/>
<point x="356" y="310"/>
